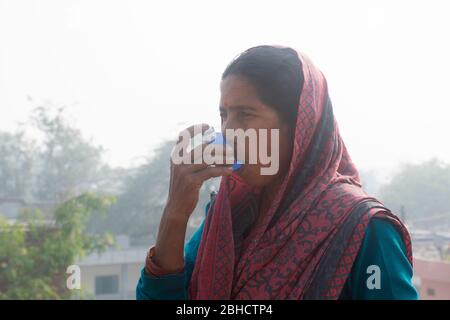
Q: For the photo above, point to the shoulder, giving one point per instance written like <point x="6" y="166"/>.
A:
<point x="381" y="269"/>
<point x="382" y="231"/>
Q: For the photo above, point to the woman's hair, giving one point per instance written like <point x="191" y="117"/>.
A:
<point x="276" y="74"/>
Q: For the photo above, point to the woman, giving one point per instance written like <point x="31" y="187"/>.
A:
<point x="307" y="232"/>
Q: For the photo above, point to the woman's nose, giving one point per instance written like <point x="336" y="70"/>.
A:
<point x="230" y="123"/>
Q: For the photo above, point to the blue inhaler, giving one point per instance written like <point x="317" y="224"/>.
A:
<point x="217" y="138"/>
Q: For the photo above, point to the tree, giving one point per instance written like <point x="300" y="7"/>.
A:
<point x="35" y="254"/>
<point x="139" y="208"/>
<point x="69" y="165"/>
<point x="422" y="189"/>
<point x="60" y="166"/>
<point x="16" y="165"/>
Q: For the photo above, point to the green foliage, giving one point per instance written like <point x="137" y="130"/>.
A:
<point x="16" y="162"/>
<point x="139" y="208"/>
<point x="68" y="163"/>
<point x="62" y="165"/>
<point x="35" y="253"/>
<point x="422" y="189"/>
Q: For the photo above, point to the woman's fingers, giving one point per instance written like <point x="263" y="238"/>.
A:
<point x="211" y="154"/>
<point x="218" y="154"/>
<point x="198" y="158"/>
<point x="189" y="145"/>
<point x="212" y="172"/>
<point x="195" y="155"/>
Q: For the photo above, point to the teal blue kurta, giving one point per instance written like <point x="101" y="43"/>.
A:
<point x="382" y="246"/>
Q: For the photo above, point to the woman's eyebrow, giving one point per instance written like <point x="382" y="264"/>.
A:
<point x="238" y="108"/>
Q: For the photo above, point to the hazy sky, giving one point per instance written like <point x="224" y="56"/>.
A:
<point x="135" y="72"/>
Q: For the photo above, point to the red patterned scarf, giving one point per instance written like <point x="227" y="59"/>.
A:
<point x="306" y="244"/>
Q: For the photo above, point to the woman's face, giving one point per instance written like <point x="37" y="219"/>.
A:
<point x="241" y="108"/>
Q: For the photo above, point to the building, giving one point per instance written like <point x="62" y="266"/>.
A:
<point x="432" y="279"/>
<point x="112" y="274"/>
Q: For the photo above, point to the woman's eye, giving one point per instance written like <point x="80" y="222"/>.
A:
<point x="244" y="115"/>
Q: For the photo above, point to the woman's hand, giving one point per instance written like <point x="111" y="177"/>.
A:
<point x="185" y="183"/>
<point x="187" y="179"/>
